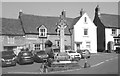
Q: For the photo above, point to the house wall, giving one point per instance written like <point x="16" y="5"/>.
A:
<point x="33" y="39"/>
<point x="118" y="32"/>
<point x="53" y="38"/>
<point x="109" y="37"/>
<point x="1" y="46"/>
<point x="18" y="41"/>
<point x="91" y="37"/>
<point x="100" y="34"/>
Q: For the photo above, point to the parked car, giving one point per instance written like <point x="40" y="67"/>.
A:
<point x="25" y="57"/>
<point x="117" y="50"/>
<point x="62" y="56"/>
<point x="8" y="58"/>
<point x="84" y="53"/>
<point x="74" y="55"/>
<point x="40" y="56"/>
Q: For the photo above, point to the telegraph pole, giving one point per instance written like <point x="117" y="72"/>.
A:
<point x="62" y="25"/>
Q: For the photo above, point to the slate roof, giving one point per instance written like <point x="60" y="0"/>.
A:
<point x="11" y="26"/>
<point x="110" y="20"/>
<point x="32" y="22"/>
<point x="75" y="20"/>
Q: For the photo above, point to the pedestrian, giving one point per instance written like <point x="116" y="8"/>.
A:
<point x="44" y="67"/>
<point x="41" y="67"/>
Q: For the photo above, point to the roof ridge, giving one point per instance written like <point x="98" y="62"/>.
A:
<point x="9" y="18"/>
<point x="109" y="14"/>
<point x="45" y="16"/>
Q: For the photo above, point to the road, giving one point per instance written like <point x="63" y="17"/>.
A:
<point x="101" y="63"/>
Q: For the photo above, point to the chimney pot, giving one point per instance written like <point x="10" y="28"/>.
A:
<point x="81" y="12"/>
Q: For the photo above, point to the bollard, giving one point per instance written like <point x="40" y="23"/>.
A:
<point x="86" y="65"/>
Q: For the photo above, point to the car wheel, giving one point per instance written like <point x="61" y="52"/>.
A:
<point x="88" y="56"/>
<point x="14" y="64"/>
<point x="20" y="63"/>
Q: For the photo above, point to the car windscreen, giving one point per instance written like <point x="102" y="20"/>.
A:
<point x="7" y="53"/>
<point x="41" y="53"/>
<point x="26" y="54"/>
<point x="71" y="51"/>
<point x="56" y="50"/>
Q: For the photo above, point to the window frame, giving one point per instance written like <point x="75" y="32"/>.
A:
<point x="38" y="46"/>
<point x="85" y="20"/>
<point x="114" y="31"/>
<point x="88" y="43"/>
<point x="11" y="39"/>
<point x="42" y="31"/>
<point x="86" y="32"/>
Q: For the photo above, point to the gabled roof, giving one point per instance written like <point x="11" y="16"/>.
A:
<point x="32" y="22"/>
<point x="75" y="20"/>
<point x="11" y="26"/>
<point x="110" y="20"/>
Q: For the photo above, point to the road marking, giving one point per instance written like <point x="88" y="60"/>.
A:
<point x="24" y="73"/>
<point x="64" y="70"/>
<point x="104" y="61"/>
<point x="97" y="64"/>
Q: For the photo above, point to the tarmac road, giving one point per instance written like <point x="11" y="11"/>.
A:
<point x="101" y="63"/>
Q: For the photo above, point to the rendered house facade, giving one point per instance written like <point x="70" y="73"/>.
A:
<point x="84" y="33"/>
<point x="107" y="30"/>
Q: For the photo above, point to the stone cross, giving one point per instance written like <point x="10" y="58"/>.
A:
<point x="62" y="25"/>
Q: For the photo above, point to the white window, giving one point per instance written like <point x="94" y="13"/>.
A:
<point x="114" y="31"/>
<point x="42" y="31"/>
<point x="37" y="46"/>
<point x="85" y="31"/>
<point x="57" y="43"/>
<point x="10" y="39"/>
<point x="88" y="44"/>
<point x="85" y="20"/>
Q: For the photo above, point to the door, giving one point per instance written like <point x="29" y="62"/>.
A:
<point x="78" y="45"/>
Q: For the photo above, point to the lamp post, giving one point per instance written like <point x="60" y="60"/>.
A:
<point x="62" y="25"/>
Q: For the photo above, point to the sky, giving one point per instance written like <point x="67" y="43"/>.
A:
<point x="11" y="9"/>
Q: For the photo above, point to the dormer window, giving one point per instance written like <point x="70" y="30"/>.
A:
<point x="42" y="31"/>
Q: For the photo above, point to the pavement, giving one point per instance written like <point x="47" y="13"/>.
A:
<point x="101" y="63"/>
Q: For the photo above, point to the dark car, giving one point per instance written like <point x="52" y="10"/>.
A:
<point x="117" y="50"/>
<point x="40" y="56"/>
<point x="84" y="53"/>
<point x="25" y="57"/>
<point x="8" y="58"/>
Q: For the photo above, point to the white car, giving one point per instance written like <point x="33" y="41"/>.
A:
<point x="73" y="54"/>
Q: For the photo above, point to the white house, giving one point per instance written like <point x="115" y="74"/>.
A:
<point x="85" y="34"/>
<point x="108" y="30"/>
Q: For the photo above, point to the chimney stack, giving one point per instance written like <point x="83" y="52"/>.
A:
<point x="97" y="10"/>
<point x="81" y="12"/>
<point x="63" y="14"/>
<point x="20" y="13"/>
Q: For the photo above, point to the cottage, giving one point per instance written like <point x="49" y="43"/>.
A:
<point x="108" y="30"/>
<point x="38" y="29"/>
<point x="33" y="31"/>
<point x="12" y="34"/>
<point x="84" y="33"/>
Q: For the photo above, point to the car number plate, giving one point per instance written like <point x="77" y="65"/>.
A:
<point x="8" y="63"/>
